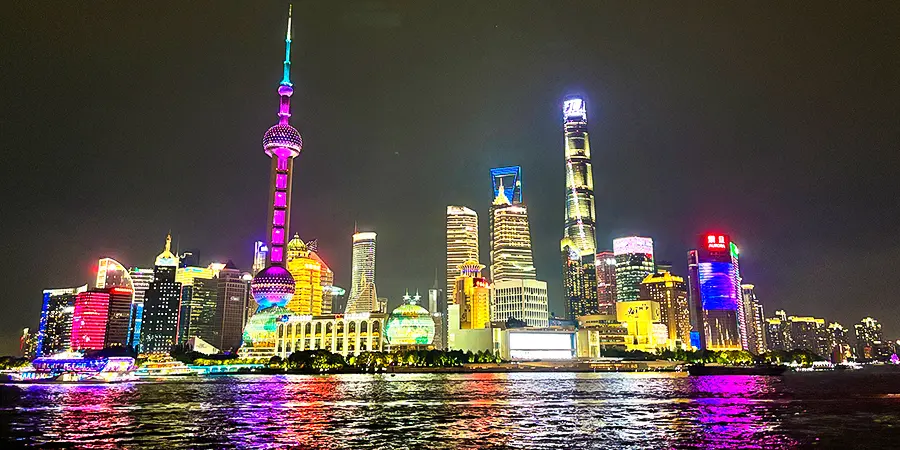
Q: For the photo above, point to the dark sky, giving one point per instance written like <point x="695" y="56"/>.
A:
<point x="776" y="123"/>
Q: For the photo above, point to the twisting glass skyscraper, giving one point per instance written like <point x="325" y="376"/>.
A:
<point x="273" y="287"/>
<point x="579" y="243"/>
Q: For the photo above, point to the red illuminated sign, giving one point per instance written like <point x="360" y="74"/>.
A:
<point x="717" y="242"/>
<point x="121" y="290"/>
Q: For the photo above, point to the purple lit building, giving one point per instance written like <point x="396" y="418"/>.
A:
<point x="715" y="294"/>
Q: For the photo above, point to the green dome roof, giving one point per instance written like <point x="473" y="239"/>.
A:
<point x="409" y="325"/>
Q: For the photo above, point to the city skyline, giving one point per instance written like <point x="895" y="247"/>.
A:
<point x="782" y="259"/>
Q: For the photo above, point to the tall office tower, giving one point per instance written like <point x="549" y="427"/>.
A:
<point x="579" y="243"/>
<point x="55" y="330"/>
<point x="462" y="242"/>
<point x="162" y="300"/>
<point x="362" y="295"/>
<point x="778" y="335"/>
<point x="869" y="339"/>
<point x="810" y="334"/>
<point x="841" y="350"/>
<point x="436" y="309"/>
<point x="140" y="279"/>
<point x="524" y="300"/>
<point x="510" y="240"/>
<point x="230" y="312"/>
<point x="579" y="280"/>
<point x="307" y="273"/>
<point x="198" y="310"/>
<point x="755" y="320"/>
<point x="634" y="261"/>
<point x="260" y="251"/>
<point x="472" y="293"/>
<point x="670" y="291"/>
<point x="580" y="215"/>
<point x="100" y="318"/>
<point x="606" y="282"/>
<point x="118" y="321"/>
<point x="715" y="292"/>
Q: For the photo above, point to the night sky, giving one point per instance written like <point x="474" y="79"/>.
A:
<point x="778" y="124"/>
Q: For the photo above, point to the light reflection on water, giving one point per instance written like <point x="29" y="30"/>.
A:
<point x="549" y="410"/>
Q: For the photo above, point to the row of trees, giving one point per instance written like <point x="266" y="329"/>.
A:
<point x="314" y="361"/>
<point x="739" y="357"/>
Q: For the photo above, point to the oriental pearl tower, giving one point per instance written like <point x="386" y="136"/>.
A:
<point x="273" y="286"/>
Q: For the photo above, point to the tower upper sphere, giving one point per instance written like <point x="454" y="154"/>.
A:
<point x="282" y="136"/>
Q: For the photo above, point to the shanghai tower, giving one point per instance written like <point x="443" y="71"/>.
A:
<point x="273" y="286"/>
<point x="579" y="242"/>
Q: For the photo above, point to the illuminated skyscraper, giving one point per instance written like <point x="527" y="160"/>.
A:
<point x="307" y="273"/>
<point x="55" y="331"/>
<point x="100" y="318"/>
<point x="715" y="292"/>
<point x="841" y="350"/>
<point x="579" y="243"/>
<point x="231" y="304"/>
<point x="524" y="300"/>
<point x="671" y="293"/>
<point x="634" y="261"/>
<point x="579" y="281"/>
<point x="362" y="295"/>
<point x="606" y="282"/>
<point x="260" y="251"/>
<point x="462" y="242"/>
<point x="140" y="279"/>
<point x="870" y="344"/>
<point x="162" y="300"/>
<point x="755" y="320"/>
<point x="580" y="215"/>
<point x="472" y="293"/>
<point x="510" y="240"/>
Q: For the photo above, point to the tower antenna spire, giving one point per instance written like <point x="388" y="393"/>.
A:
<point x="286" y="80"/>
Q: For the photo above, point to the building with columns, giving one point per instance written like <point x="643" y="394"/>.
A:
<point x="347" y="334"/>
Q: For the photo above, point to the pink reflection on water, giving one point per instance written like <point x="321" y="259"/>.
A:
<point x="736" y="412"/>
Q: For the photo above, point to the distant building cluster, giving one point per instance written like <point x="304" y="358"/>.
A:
<point x="620" y="298"/>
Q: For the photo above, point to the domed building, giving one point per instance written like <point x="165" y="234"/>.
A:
<point x="409" y="325"/>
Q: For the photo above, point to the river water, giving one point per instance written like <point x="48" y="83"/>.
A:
<point x="518" y="410"/>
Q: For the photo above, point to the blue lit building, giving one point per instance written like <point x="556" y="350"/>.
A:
<point x="55" y="329"/>
<point x="510" y="178"/>
<point x="715" y="289"/>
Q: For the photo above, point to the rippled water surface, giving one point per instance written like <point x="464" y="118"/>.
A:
<point x="533" y="410"/>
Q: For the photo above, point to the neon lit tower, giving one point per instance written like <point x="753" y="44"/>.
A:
<point x="579" y="243"/>
<point x="274" y="285"/>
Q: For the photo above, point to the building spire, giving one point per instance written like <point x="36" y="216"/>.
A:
<point x="286" y="80"/>
<point x="285" y="88"/>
